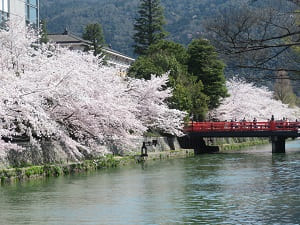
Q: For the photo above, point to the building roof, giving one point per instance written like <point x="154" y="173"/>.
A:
<point x="67" y="38"/>
<point x="114" y="52"/>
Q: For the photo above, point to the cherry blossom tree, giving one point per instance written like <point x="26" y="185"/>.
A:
<point x="51" y="93"/>
<point x="150" y="96"/>
<point x="249" y="101"/>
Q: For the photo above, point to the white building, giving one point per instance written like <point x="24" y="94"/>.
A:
<point x="73" y="42"/>
<point x="26" y="9"/>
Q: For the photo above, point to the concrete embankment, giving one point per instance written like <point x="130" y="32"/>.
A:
<point x="226" y="144"/>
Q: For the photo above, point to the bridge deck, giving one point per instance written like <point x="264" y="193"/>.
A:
<point x="243" y="129"/>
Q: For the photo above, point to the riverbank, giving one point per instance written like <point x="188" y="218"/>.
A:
<point x="225" y="147"/>
<point x="34" y="172"/>
<point x="233" y="144"/>
<point x="16" y="174"/>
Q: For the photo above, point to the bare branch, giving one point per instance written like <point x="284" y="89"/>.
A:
<point x="256" y="38"/>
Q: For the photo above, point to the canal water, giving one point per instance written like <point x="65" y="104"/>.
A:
<point x="246" y="187"/>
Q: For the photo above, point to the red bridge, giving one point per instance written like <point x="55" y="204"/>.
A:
<point x="278" y="131"/>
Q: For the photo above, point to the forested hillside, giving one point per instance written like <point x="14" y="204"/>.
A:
<point x="184" y="18"/>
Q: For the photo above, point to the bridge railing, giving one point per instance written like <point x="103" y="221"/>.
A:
<point x="242" y="126"/>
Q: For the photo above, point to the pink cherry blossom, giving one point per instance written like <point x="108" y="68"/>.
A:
<point x="52" y="93"/>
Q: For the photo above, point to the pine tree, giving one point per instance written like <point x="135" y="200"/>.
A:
<point x="93" y="32"/>
<point x="149" y="26"/>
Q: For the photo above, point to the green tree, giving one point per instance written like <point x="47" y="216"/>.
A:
<point x="93" y="32"/>
<point x="148" y="26"/>
<point x="167" y="56"/>
<point x="203" y="63"/>
<point x="164" y="56"/>
<point x="43" y="32"/>
<point x="188" y="96"/>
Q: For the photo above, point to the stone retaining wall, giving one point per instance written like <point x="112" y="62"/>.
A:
<point x="59" y="152"/>
<point x="33" y="172"/>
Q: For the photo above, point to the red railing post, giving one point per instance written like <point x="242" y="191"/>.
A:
<point x="272" y="125"/>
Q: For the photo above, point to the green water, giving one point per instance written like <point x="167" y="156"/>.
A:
<point x="250" y="187"/>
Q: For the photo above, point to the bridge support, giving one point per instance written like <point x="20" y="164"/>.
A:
<point x="198" y="144"/>
<point x="278" y="144"/>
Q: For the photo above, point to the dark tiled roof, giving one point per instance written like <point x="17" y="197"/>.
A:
<point x="67" y="37"/>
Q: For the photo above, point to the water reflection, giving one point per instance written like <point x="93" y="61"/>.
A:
<point x="253" y="187"/>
